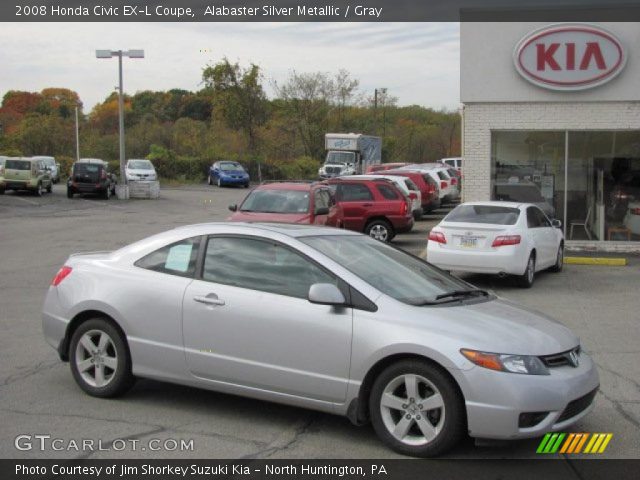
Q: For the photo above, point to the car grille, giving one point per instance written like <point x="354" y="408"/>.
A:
<point x="560" y="359"/>
<point x="332" y="169"/>
<point x="577" y="406"/>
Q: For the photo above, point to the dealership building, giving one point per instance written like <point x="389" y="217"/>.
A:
<point x="551" y="115"/>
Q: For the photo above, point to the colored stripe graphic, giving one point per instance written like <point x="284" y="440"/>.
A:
<point x="574" y="442"/>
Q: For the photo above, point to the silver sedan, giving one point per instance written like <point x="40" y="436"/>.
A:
<point x="319" y="318"/>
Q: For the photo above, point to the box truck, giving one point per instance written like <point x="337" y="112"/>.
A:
<point x="349" y="154"/>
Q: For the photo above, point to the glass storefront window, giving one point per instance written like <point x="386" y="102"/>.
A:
<point x="602" y="194"/>
<point x="528" y="166"/>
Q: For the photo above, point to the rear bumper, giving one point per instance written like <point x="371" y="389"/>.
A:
<point x="511" y="260"/>
<point x="87" y="188"/>
<point x="17" y="185"/>
<point x="402" y="224"/>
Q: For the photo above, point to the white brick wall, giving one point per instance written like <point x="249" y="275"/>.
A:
<point x="481" y="118"/>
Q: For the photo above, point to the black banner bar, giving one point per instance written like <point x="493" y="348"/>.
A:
<point x="317" y="10"/>
<point x="560" y="468"/>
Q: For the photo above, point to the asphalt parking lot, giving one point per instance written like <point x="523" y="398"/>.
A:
<point x="39" y="396"/>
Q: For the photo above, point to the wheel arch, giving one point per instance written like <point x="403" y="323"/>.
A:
<point x="358" y="411"/>
<point x="79" y="319"/>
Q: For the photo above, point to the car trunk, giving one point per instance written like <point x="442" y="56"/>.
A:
<point x="471" y="236"/>
<point x="17" y="170"/>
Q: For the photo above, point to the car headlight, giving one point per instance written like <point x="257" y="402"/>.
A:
<point x="525" y="364"/>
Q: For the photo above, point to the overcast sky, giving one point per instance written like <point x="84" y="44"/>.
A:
<point x="417" y="62"/>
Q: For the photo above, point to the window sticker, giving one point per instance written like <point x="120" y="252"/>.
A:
<point x="179" y="258"/>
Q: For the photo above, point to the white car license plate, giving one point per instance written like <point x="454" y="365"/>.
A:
<point x="469" y="242"/>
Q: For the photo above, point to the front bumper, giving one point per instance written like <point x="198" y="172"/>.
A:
<point x="234" y="181"/>
<point x="495" y="400"/>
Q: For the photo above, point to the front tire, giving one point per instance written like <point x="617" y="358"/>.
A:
<point x="38" y="191"/>
<point x="416" y="409"/>
<point x="557" y="267"/>
<point x="209" y="181"/>
<point x="527" y="278"/>
<point x="107" y="193"/>
<point x="380" y="230"/>
<point x="100" y="360"/>
<point x="219" y="183"/>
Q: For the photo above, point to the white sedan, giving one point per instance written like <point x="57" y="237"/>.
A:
<point x="504" y="238"/>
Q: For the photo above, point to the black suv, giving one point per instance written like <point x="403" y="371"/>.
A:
<point x="91" y="175"/>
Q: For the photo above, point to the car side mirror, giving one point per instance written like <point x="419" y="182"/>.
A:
<point x="325" y="294"/>
<point x="556" y="223"/>
<point x="322" y="211"/>
<point x="233" y="208"/>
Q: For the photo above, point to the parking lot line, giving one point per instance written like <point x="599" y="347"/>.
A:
<point x="615" y="262"/>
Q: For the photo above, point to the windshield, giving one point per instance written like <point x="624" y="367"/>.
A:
<point x="227" y="166"/>
<point x="140" y="165"/>
<point x="391" y="271"/>
<point x="487" y="214"/>
<point x="276" y="201"/>
<point x="339" y="158"/>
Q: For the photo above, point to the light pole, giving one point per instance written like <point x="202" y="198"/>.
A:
<point x="77" y="136"/>
<point x="122" y="188"/>
<point x="382" y="91"/>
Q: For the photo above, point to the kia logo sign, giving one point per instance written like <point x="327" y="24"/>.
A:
<point x="569" y="56"/>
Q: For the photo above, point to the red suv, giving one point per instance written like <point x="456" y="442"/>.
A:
<point x="429" y="188"/>
<point x="375" y="207"/>
<point x="287" y="202"/>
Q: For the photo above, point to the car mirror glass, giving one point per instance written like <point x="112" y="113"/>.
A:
<point x="233" y="208"/>
<point x="322" y="211"/>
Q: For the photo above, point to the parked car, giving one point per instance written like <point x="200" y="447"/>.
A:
<point x="406" y="186"/>
<point x="522" y="191"/>
<point x="287" y="202"/>
<point x="448" y="190"/>
<point x="318" y="318"/>
<point x="504" y="238"/>
<point x="375" y="207"/>
<point x="91" y="175"/>
<point x="140" y="170"/>
<point x="22" y="173"/>
<point x="453" y="162"/>
<point x="456" y="179"/>
<point x="52" y="165"/>
<point x="228" y="173"/>
<point x="380" y="167"/>
<point x="429" y="188"/>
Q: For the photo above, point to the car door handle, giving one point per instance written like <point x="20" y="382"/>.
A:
<point x="367" y="204"/>
<point x="211" y="299"/>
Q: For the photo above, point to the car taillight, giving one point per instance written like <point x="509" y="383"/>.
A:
<point x="635" y="211"/>
<point x="404" y="208"/>
<point x="506" y="240"/>
<point x="437" y="237"/>
<point x="454" y="181"/>
<point x="61" y="275"/>
<point x="413" y="195"/>
<point x="443" y="185"/>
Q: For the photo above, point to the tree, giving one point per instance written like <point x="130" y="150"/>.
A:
<point x="239" y="96"/>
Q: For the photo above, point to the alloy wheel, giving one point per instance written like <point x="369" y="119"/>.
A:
<point x="379" y="232"/>
<point x="96" y="358"/>
<point x="412" y="410"/>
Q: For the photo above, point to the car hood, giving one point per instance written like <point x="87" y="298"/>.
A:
<point x="270" y="217"/>
<point x="135" y="171"/>
<point x="500" y="326"/>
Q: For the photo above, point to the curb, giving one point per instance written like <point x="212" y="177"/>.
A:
<point x="610" y="261"/>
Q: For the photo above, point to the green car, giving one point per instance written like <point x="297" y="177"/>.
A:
<point x="26" y="174"/>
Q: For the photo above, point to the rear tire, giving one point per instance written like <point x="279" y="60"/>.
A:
<point x="103" y="369"/>
<point x="69" y="193"/>
<point x="50" y="188"/>
<point x="416" y="409"/>
<point x="38" y="191"/>
<point x="1" y="191"/>
<point x="246" y="185"/>
<point x="528" y="277"/>
<point x="209" y="181"/>
<point x="107" y="193"/>
<point x="380" y="230"/>
<point x="559" y="260"/>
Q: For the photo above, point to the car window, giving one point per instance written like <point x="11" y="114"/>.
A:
<point x="17" y="165"/>
<point x="81" y="168"/>
<point x="276" y="201"/>
<point x="353" y="192"/>
<point x="176" y="259"/>
<point x="410" y="185"/>
<point x="387" y="192"/>
<point x="261" y="265"/>
<point x="542" y="218"/>
<point x="229" y="166"/>
<point x="390" y="270"/>
<point x="322" y="199"/>
<point x="140" y="165"/>
<point x="533" y="220"/>
<point x="488" y="214"/>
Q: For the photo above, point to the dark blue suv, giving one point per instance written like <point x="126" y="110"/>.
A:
<point x="226" y="172"/>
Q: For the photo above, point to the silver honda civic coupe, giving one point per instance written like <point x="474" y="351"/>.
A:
<point x="321" y="318"/>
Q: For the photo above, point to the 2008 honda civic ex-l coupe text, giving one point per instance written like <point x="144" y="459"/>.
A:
<point x="321" y="318"/>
